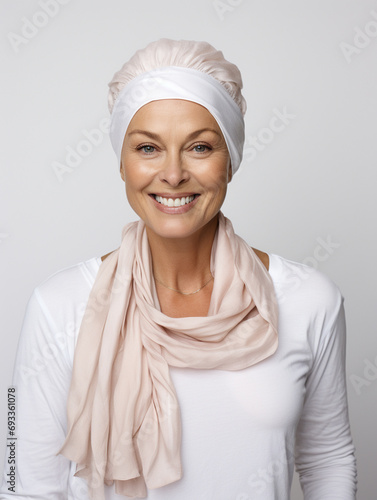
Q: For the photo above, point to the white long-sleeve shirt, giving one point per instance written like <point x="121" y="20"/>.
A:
<point x="242" y="431"/>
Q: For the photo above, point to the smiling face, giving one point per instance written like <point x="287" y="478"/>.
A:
<point x="176" y="167"/>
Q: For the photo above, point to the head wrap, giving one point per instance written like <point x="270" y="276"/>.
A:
<point x="189" y="84"/>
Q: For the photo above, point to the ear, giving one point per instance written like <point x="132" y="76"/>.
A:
<point x="230" y="172"/>
<point x="122" y="171"/>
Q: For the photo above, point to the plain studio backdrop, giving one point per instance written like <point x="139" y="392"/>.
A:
<point x="306" y="187"/>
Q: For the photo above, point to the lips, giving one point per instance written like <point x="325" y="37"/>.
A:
<point x="174" y="202"/>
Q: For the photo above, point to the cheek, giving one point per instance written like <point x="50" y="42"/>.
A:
<point x="217" y="182"/>
<point x="133" y="184"/>
<point x="219" y="173"/>
<point x="136" y="176"/>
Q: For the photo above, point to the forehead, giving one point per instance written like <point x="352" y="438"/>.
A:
<point x="173" y="111"/>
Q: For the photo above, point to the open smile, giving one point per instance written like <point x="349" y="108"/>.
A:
<point x="175" y="204"/>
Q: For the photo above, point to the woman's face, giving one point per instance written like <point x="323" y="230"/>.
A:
<point x="176" y="167"/>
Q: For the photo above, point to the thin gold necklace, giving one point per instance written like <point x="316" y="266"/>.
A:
<point x="179" y="291"/>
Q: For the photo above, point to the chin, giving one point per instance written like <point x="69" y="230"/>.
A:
<point x="174" y="228"/>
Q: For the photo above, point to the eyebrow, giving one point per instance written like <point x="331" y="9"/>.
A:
<point x="156" y="137"/>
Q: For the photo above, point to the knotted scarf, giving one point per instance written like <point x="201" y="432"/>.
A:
<point x="124" y="422"/>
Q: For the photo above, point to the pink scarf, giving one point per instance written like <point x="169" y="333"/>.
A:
<point x="123" y="416"/>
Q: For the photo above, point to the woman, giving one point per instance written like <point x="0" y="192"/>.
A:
<point x="191" y="365"/>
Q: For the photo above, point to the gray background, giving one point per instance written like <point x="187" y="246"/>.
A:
<point x="311" y="182"/>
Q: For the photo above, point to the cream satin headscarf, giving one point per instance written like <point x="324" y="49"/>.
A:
<point x="123" y="416"/>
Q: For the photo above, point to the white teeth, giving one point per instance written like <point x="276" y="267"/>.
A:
<point x="176" y="202"/>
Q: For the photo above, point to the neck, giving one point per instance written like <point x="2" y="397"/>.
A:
<point x="183" y="263"/>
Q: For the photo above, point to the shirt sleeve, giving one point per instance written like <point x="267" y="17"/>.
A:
<point x="325" y="458"/>
<point x="41" y="378"/>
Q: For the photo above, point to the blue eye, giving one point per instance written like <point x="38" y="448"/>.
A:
<point x="201" y="148"/>
<point x="147" y="149"/>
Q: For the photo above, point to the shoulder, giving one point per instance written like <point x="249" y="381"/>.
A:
<point x="51" y="322"/>
<point x="263" y="257"/>
<point x="67" y="279"/>
<point x="65" y="292"/>
<point x="305" y="290"/>
<point x="106" y="255"/>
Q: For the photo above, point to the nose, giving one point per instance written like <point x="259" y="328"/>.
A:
<point x="173" y="171"/>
